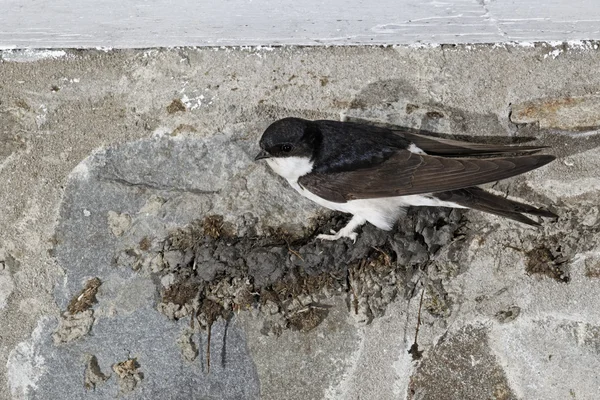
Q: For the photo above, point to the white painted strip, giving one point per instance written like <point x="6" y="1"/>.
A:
<point x="157" y="23"/>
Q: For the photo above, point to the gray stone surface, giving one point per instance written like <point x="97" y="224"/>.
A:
<point x="578" y="113"/>
<point x="107" y="159"/>
<point x="477" y="373"/>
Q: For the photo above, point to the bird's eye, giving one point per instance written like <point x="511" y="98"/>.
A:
<point x="286" y="148"/>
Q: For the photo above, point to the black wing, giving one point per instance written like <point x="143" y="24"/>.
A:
<point x="347" y="146"/>
<point x="406" y="173"/>
<point x="456" y="148"/>
<point x="478" y="199"/>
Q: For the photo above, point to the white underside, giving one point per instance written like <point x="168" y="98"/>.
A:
<point x="382" y="212"/>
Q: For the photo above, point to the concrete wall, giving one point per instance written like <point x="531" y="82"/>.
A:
<point x="158" y="23"/>
<point x="112" y="162"/>
<point x="130" y="202"/>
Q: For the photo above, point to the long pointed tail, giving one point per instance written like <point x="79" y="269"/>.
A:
<point x="479" y="199"/>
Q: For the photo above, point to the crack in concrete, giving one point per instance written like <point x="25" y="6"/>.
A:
<point x="488" y="17"/>
<point x="147" y="185"/>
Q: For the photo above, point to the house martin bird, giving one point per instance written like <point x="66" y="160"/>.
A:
<point x="375" y="173"/>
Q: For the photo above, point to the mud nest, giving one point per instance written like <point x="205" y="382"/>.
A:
<point x="208" y="272"/>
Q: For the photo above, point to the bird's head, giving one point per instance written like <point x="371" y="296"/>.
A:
<point x="288" y="137"/>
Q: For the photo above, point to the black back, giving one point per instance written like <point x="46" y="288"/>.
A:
<point x="347" y="146"/>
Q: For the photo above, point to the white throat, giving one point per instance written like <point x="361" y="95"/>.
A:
<point x="291" y="168"/>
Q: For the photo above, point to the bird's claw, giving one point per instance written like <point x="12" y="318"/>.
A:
<point x="352" y="236"/>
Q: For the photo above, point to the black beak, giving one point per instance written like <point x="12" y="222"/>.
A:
<point x="261" y="155"/>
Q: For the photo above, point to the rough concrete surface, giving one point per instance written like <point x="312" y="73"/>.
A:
<point x="145" y="255"/>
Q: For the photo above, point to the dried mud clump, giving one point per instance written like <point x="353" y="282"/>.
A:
<point x="541" y="261"/>
<point x="307" y="319"/>
<point x="176" y="106"/>
<point x="508" y="315"/>
<point x="213" y="226"/>
<point x="86" y="298"/>
<point x="208" y="272"/>
<point x="189" y="348"/>
<point x="78" y="319"/>
<point x="93" y="376"/>
<point x="575" y="236"/>
<point x="128" y="375"/>
<point x="592" y="267"/>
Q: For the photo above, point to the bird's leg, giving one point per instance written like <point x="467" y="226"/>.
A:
<point x="347" y="231"/>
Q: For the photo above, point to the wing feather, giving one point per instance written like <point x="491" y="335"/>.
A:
<point x="407" y="173"/>
<point x="457" y="148"/>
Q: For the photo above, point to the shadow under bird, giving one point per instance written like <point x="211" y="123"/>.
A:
<point x="375" y="173"/>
